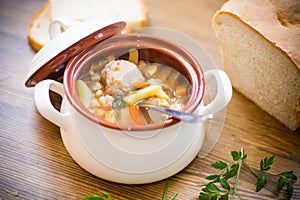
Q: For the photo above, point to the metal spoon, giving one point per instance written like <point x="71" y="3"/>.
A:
<point x="187" y="117"/>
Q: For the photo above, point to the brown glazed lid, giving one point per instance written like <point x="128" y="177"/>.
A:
<point x="65" y="45"/>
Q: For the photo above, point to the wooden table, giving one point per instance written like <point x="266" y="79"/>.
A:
<point x="34" y="163"/>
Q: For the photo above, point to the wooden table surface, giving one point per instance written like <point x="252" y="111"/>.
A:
<point x="34" y="163"/>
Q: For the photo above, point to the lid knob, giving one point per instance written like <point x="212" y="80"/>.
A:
<point x="59" y="24"/>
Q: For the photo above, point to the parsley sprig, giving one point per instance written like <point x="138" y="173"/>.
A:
<point x="219" y="186"/>
<point x="166" y="191"/>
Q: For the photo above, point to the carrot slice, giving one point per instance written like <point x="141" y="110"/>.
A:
<point x="140" y="84"/>
<point x="136" y="115"/>
<point x="180" y="90"/>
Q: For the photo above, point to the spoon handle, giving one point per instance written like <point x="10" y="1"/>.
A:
<point x="187" y="117"/>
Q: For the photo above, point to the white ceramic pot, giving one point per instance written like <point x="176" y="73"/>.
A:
<point x="116" y="154"/>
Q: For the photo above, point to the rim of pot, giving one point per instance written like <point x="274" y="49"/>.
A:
<point x="159" y="49"/>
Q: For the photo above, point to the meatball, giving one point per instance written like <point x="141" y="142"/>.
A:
<point x="118" y="77"/>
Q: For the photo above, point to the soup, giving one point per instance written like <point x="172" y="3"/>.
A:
<point x="113" y="88"/>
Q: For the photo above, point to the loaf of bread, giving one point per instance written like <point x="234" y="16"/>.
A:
<point x="260" y="46"/>
<point x="132" y="11"/>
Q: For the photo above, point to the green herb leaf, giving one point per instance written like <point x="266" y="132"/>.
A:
<point x="261" y="164"/>
<point x="166" y="191"/>
<point x="224" y="197"/>
<point x="212" y="177"/>
<point x="219" y="165"/>
<point x="234" y="167"/>
<point x="270" y="160"/>
<point x="266" y="163"/>
<point x="261" y="182"/>
<point x="224" y="184"/>
<point x="204" y="196"/>
<point x="280" y="184"/>
<point x="235" y="155"/>
<point x="206" y="189"/>
<point x="93" y="197"/>
<point x="106" y="195"/>
<point x="244" y="157"/>
<point x="97" y="197"/>
<point x="290" y="190"/>
<point x="212" y="187"/>
<point x="231" y="173"/>
<point x="289" y="175"/>
<point x="174" y="196"/>
<point x="214" y="197"/>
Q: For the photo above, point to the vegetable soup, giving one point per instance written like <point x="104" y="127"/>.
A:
<point x="113" y="88"/>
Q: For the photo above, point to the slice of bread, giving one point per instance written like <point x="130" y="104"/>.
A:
<point x="260" y="42"/>
<point x="132" y="11"/>
<point x="38" y="28"/>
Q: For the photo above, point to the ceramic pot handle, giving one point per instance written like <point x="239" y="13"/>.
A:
<point x="224" y="91"/>
<point x="59" y="24"/>
<point x="44" y="105"/>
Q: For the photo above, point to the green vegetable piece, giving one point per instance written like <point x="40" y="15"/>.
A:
<point x="118" y="103"/>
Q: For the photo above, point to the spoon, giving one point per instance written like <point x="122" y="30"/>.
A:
<point x="187" y="117"/>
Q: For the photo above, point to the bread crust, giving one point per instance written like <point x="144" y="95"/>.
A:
<point x="34" y="43"/>
<point x="45" y="11"/>
<point x="267" y="18"/>
<point x="259" y="33"/>
<point x="145" y="13"/>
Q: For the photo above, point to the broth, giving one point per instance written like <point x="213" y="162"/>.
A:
<point x="113" y="88"/>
